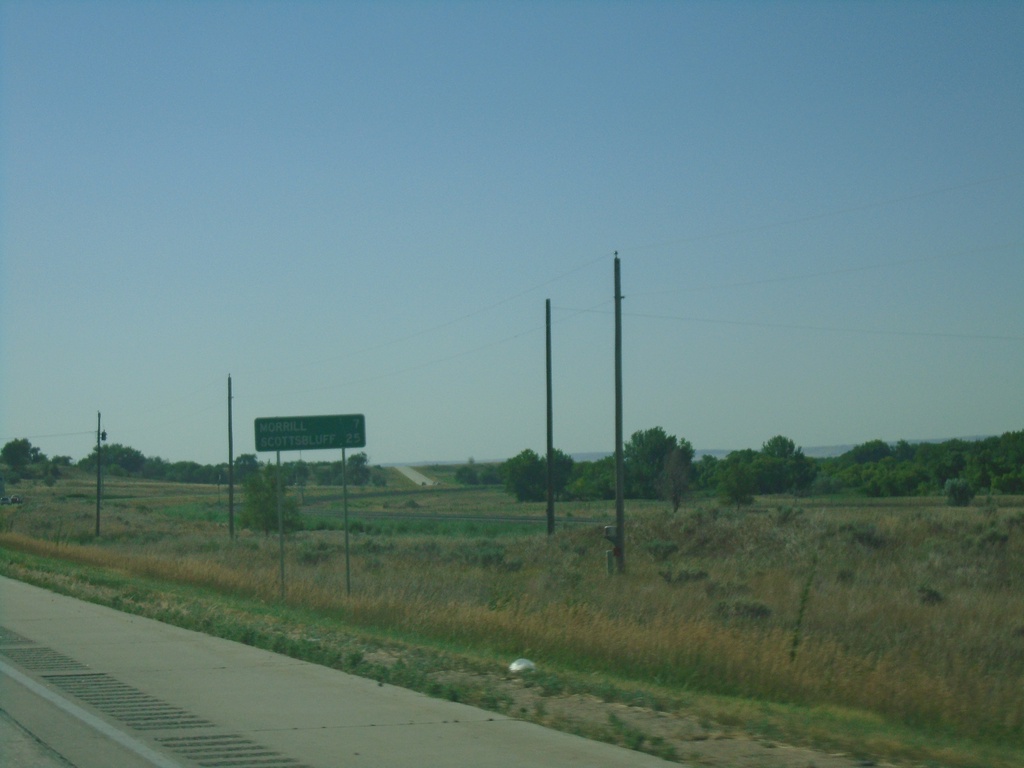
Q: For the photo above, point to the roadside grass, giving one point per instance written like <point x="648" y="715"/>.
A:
<point x="894" y="630"/>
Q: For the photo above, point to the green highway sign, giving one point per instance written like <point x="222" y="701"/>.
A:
<point x="309" y="433"/>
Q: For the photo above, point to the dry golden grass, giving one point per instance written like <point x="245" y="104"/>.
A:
<point x="910" y="609"/>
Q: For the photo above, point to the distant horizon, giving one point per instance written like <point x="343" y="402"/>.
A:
<point x="813" y="451"/>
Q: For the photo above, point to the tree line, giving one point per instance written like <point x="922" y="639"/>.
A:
<point x="23" y="460"/>
<point x="658" y="465"/>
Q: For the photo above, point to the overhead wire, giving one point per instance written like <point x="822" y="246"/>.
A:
<point x="596" y="308"/>
<point x="832" y="272"/>
<point x="829" y="329"/>
<point x="421" y="332"/>
<point x="437" y="327"/>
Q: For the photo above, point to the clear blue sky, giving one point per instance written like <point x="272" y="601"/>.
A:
<point x="361" y="207"/>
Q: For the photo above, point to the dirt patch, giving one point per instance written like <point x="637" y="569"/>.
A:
<point x="675" y="736"/>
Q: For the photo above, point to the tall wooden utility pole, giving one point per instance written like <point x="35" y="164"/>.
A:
<point x="231" y="470"/>
<point x="620" y="475"/>
<point x="551" y="439"/>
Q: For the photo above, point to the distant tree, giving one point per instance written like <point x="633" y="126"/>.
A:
<point x="490" y="474"/>
<point x="1009" y="482"/>
<point x="771" y="474"/>
<point x="300" y="471"/>
<point x="705" y="472"/>
<point x="958" y="492"/>
<point x="128" y="459"/>
<point x="779" y="447"/>
<point x="782" y="467"/>
<point x="191" y="472"/>
<point x="467" y="474"/>
<point x="18" y="454"/>
<point x="357" y="469"/>
<point x="675" y="479"/>
<point x="990" y="464"/>
<point x="645" y="457"/>
<point x="826" y="484"/>
<point x="736" y="480"/>
<point x="592" y="480"/>
<point x="871" y="451"/>
<point x="562" y="464"/>
<point x="245" y="465"/>
<point x="154" y="468"/>
<point x="802" y="471"/>
<point x="324" y="474"/>
<point x="943" y="460"/>
<point x="88" y="462"/>
<point x="472" y="473"/>
<point x="300" y="476"/>
<point x="904" y="451"/>
<point x="525" y="476"/>
<point x="378" y="477"/>
<point x="981" y="468"/>
<point x="259" y="507"/>
<point x="890" y="477"/>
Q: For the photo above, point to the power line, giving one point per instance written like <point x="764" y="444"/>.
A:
<point x="818" y="328"/>
<point x="439" y="326"/>
<point x="44" y="437"/>
<point x="411" y="368"/>
<point x="832" y="272"/>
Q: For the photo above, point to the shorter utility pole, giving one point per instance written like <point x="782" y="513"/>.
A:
<point x="344" y="507"/>
<point x="100" y="436"/>
<point x="231" y="470"/>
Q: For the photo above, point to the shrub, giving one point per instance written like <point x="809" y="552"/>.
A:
<point x="743" y="609"/>
<point x="958" y="492"/>
<point x="683" y="575"/>
<point x="662" y="550"/>
<point x="865" y="534"/>
<point x="260" y="502"/>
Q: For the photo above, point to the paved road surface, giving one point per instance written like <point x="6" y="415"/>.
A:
<point x="20" y="749"/>
<point x="100" y="688"/>
<point x="417" y="477"/>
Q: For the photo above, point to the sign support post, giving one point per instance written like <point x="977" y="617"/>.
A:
<point x="298" y="433"/>
<point x="280" y="520"/>
<point x="344" y="506"/>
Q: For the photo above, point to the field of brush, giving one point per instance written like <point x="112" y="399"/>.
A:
<point x="906" y="610"/>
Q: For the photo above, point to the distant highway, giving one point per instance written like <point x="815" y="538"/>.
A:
<point x="417" y="477"/>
